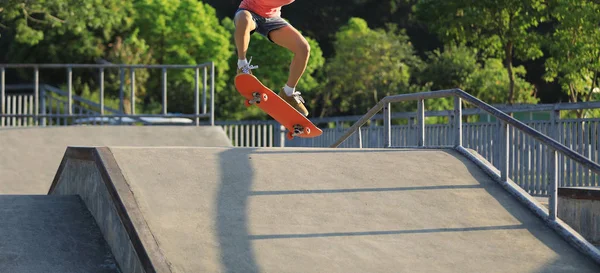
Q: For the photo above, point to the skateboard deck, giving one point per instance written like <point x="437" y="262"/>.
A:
<point x="255" y="93"/>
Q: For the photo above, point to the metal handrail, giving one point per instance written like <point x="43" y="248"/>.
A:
<point x="482" y="105"/>
<point x="475" y="111"/>
<point x="505" y="120"/>
<point x="503" y="150"/>
<point x="555" y="145"/>
<point x="384" y="103"/>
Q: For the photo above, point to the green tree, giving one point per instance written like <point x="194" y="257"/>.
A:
<point x="574" y="47"/>
<point x="459" y="67"/>
<point x="501" y="29"/>
<point x="490" y="82"/>
<point x="273" y="70"/>
<point x="368" y="64"/>
<point x="61" y="31"/>
<point x="182" y="32"/>
<point x="449" y="68"/>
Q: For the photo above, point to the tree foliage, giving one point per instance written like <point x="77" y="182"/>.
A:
<point x="368" y="64"/>
<point x="362" y="50"/>
<point x="574" y="48"/>
<point x="501" y="29"/>
<point x="182" y="32"/>
<point x="61" y="30"/>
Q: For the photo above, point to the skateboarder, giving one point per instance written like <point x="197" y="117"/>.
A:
<point x="264" y="17"/>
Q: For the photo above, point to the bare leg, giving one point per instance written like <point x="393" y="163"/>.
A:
<point x="243" y="25"/>
<point x="291" y="39"/>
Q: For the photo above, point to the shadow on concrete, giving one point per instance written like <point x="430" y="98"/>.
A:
<point x="389" y="232"/>
<point x="445" y="187"/>
<point x="232" y="219"/>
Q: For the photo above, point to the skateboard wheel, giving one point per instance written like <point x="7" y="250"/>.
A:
<point x="265" y="97"/>
<point x="290" y="135"/>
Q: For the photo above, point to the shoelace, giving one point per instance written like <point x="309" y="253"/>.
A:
<point x="297" y="97"/>
<point x="249" y="67"/>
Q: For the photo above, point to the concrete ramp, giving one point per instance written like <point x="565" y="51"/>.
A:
<point x="308" y="210"/>
<point x="29" y="157"/>
<point x="51" y="234"/>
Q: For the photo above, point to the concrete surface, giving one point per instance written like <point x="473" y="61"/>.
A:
<point x="51" y="234"/>
<point x="342" y="210"/>
<point x="29" y="157"/>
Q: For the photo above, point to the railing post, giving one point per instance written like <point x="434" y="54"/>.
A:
<point x="359" y="138"/>
<point x="70" y="89"/>
<point x="503" y="149"/>
<point x="204" y="79"/>
<point x="281" y="136"/>
<point x="421" y="123"/>
<point x="164" y="90"/>
<point x="132" y="78"/>
<point x="36" y="91"/>
<point x="2" y="95"/>
<point x="121" y="93"/>
<point x="102" y="92"/>
<point x="43" y="95"/>
<point x="387" y="126"/>
<point x="197" y="95"/>
<point x="554" y="118"/>
<point x="553" y="185"/>
<point x="457" y="119"/>
<point x="121" y="90"/>
<point x="212" y="93"/>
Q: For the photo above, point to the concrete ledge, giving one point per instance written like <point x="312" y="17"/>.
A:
<point x="92" y="173"/>
<point x="580" y="208"/>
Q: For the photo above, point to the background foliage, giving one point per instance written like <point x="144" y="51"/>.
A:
<point x="361" y="50"/>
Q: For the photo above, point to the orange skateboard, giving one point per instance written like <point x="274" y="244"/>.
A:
<point x="258" y="94"/>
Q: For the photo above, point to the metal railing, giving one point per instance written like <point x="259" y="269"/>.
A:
<point x="503" y="176"/>
<point x="503" y="151"/>
<point x="201" y="110"/>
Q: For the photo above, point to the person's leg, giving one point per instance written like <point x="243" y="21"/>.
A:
<point x="291" y="39"/>
<point x="244" y="24"/>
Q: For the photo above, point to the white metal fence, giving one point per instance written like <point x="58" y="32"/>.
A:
<point x="19" y="106"/>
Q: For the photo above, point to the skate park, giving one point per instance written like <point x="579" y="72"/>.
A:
<point x="175" y="136"/>
<point x="184" y="199"/>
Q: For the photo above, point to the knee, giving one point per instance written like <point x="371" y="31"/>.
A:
<point x="242" y="19"/>
<point x="303" y="48"/>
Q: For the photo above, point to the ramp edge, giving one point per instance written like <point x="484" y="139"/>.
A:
<point x="133" y="220"/>
<point x="104" y="182"/>
<point x="564" y="230"/>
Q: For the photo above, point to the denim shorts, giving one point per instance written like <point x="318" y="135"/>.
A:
<point x="266" y="25"/>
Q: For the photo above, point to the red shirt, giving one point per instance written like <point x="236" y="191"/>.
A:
<point x="265" y="8"/>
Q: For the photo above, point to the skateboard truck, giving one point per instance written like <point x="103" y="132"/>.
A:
<point x="298" y="130"/>
<point x="256" y="98"/>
